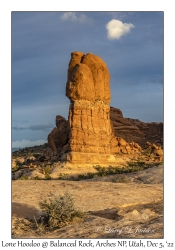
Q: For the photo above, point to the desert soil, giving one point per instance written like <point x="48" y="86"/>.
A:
<point x="127" y="207"/>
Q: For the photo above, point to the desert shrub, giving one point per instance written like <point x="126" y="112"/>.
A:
<point x="24" y="177"/>
<point x="158" y="163"/>
<point x="16" y="168"/>
<point x="135" y="163"/>
<point x="18" y="163"/>
<point x="37" y="178"/>
<point x="103" y="171"/>
<point x="47" y="169"/>
<point x="59" y="211"/>
<point x="90" y="175"/>
<point x="138" y="166"/>
<point x="86" y="176"/>
<point x="47" y="176"/>
<point x="131" y="167"/>
<point x="141" y="163"/>
<point x="63" y="176"/>
<point x="148" y="151"/>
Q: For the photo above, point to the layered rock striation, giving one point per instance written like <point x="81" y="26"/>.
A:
<point x="136" y="130"/>
<point x="92" y="136"/>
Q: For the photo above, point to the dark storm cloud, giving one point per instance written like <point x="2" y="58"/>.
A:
<point x="42" y="127"/>
<point x="18" y="128"/>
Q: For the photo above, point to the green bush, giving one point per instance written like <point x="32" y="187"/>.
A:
<point x="86" y="176"/>
<point x="102" y="171"/>
<point x="47" y="169"/>
<point x="63" y="176"/>
<point x="47" y="176"/>
<point x="130" y="168"/>
<point x="148" y="151"/>
<point x="59" y="211"/>
<point x="16" y="168"/>
<point x="37" y="178"/>
<point x="24" y="177"/>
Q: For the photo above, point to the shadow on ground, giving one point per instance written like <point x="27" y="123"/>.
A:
<point x="24" y="211"/>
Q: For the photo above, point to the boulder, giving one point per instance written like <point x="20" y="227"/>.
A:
<point x="154" y="151"/>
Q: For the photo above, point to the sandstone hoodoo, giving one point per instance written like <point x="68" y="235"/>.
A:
<point x="92" y="137"/>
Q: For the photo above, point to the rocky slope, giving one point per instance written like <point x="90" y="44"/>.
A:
<point x="135" y="130"/>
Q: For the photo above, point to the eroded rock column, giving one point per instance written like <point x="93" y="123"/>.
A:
<point x="92" y="137"/>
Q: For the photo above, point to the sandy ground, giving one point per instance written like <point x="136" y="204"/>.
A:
<point x="133" y="209"/>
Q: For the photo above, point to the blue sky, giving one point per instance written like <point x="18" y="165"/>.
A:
<point x="131" y="44"/>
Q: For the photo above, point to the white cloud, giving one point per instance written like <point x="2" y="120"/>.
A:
<point x="27" y="143"/>
<point x="69" y="16"/>
<point x="82" y="18"/>
<point x="72" y="16"/>
<point x="116" y="29"/>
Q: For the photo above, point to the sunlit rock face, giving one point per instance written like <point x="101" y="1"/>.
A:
<point x="88" y="88"/>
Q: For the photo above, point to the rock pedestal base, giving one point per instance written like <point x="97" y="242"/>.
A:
<point x="89" y="158"/>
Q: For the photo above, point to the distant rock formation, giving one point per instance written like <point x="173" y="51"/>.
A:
<point x="59" y="136"/>
<point x="136" y="130"/>
<point x="152" y="131"/>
